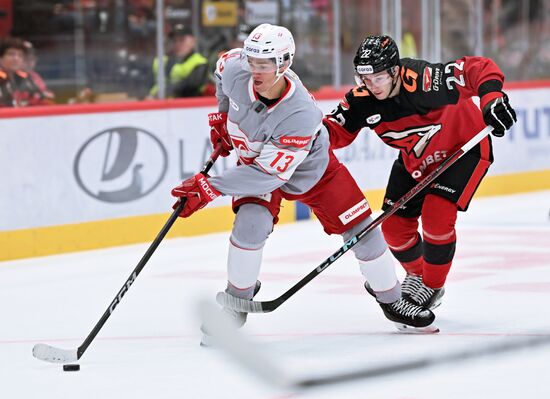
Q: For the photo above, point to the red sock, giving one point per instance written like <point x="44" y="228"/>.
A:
<point x="414" y="267"/>
<point x="434" y="276"/>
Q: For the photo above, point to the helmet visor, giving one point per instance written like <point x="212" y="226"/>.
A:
<point x="259" y="65"/>
<point x="373" y="79"/>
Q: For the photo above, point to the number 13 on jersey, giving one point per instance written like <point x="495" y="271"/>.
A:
<point x="282" y="161"/>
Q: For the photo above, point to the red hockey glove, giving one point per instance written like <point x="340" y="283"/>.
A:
<point x="218" y="132"/>
<point x="198" y="192"/>
<point x="498" y="113"/>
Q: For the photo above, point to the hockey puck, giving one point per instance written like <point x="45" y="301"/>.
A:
<point x="71" y="367"/>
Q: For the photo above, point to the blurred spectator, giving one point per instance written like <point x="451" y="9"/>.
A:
<point x="408" y="46"/>
<point x="141" y="19"/>
<point x="84" y="96"/>
<point x="186" y="70"/>
<point x="17" y="87"/>
<point x="30" y="60"/>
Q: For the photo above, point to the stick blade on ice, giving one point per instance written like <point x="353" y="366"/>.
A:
<point x="52" y="354"/>
<point x="241" y="305"/>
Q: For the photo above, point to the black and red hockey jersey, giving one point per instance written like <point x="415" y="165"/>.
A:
<point x="432" y="116"/>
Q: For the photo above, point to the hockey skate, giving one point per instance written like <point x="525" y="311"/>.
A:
<point x="426" y="297"/>
<point x="239" y="318"/>
<point x="411" y="284"/>
<point x="407" y="316"/>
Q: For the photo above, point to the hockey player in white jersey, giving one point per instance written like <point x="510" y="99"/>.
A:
<point x="273" y="124"/>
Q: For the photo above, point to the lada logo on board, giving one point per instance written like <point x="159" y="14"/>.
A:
<point x="120" y="164"/>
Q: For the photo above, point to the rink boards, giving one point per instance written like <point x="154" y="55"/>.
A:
<point x="93" y="176"/>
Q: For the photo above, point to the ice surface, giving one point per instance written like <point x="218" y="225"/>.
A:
<point x="498" y="290"/>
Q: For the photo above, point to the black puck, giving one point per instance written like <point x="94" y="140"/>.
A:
<point x="71" y="367"/>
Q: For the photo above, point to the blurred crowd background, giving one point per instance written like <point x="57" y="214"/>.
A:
<point x="105" y="50"/>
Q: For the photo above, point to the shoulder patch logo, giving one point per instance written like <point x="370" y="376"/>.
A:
<point x="344" y="104"/>
<point x="408" y="78"/>
<point x="371" y="120"/>
<point x="295" y="141"/>
<point x="427" y="79"/>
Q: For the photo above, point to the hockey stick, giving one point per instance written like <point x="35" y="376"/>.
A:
<point x="244" y="305"/>
<point x="56" y="355"/>
<point x="253" y="357"/>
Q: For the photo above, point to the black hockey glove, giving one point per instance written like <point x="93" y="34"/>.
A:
<point x="499" y="114"/>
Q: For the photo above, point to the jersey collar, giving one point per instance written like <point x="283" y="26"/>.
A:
<point x="290" y="89"/>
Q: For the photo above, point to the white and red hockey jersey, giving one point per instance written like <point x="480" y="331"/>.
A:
<point x="283" y="145"/>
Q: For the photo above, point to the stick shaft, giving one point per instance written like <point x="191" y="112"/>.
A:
<point x="453" y="358"/>
<point x="274" y="304"/>
<point x="130" y="280"/>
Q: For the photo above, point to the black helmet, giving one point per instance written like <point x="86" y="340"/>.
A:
<point x="376" y="54"/>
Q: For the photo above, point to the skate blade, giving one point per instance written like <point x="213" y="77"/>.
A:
<point x="404" y="328"/>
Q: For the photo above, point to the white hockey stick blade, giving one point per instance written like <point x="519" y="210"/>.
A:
<point x="239" y="304"/>
<point x="245" y="352"/>
<point x="52" y="354"/>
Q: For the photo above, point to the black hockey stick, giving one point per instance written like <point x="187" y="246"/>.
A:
<point x="56" y="355"/>
<point x="254" y="358"/>
<point x="244" y="305"/>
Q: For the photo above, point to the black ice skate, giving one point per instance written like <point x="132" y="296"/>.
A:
<point x="424" y="296"/>
<point x="411" y="284"/>
<point x="238" y="317"/>
<point x="407" y="316"/>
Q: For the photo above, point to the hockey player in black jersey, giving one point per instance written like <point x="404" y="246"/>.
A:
<point x="426" y="111"/>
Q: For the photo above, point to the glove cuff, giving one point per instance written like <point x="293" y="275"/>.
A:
<point x="487" y="98"/>
<point x="215" y="118"/>
<point x="210" y="193"/>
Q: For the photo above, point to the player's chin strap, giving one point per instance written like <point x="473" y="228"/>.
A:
<point x="282" y="66"/>
<point x="395" y="79"/>
<point x="279" y="75"/>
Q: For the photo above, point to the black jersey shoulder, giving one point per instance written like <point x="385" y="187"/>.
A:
<point x="359" y="109"/>
<point x="420" y="76"/>
<point x="423" y="89"/>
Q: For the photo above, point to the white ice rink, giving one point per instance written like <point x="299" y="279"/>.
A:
<point x="498" y="291"/>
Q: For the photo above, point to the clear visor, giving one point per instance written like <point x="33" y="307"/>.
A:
<point x="259" y="65"/>
<point x="373" y="80"/>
